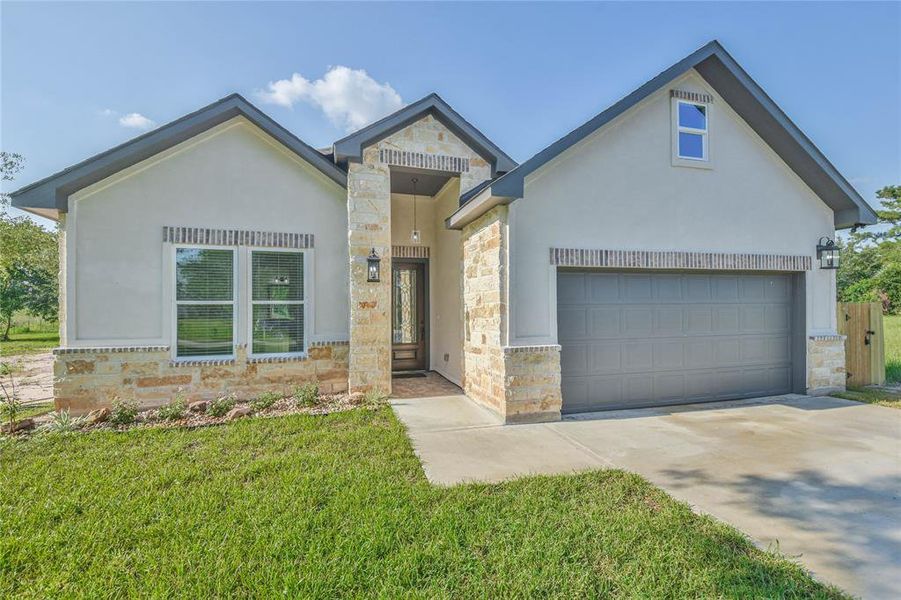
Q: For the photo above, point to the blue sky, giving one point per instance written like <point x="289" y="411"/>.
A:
<point x="79" y="78"/>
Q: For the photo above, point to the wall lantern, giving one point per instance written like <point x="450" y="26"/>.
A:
<point x="372" y="266"/>
<point x="827" y="253"/>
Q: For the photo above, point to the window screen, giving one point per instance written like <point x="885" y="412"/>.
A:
<point x="277" y="302"/>
<point x="205" y="302"/>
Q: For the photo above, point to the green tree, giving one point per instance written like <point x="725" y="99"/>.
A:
<point x="10" y="164"/>
<point x="29" y="261"/>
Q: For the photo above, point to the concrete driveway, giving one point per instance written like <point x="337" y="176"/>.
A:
<point x="819" y="479"/>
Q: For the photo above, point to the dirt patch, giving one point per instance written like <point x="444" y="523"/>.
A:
<point x="33" y="375"/>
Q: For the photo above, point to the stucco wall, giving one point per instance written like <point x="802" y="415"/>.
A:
<point x="233" y="176"/>
<point x="618" y="189"/>
<point x="447" y="296"/>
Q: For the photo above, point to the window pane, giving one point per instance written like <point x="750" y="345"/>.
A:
<point x="204" y="330"/>
<point x="204" y="274"/>
<point x="406" y="328"/>
<point x="277" y="276"/>
<point x="277" y="328"/>
<point x="691" y="145"/>
<point x="692" y="115"/>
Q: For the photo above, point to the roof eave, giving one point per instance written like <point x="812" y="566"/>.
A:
<point x="52" y="193"/>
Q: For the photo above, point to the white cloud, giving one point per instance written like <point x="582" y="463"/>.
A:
<point x="106" y="112"/>
<point x="136" y="121"/>
<point x="350" y="98"/>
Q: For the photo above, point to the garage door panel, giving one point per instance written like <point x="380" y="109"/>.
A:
<point x="633" y="339"/>
<point x="604" y="322"/>
<point x="572" y="323"/>
<point x="603" y="287"/>
<point x="571" y="288"/>
<point x="606" y="358"/>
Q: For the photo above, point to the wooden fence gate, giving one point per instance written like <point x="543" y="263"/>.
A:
<point x="861" y="323"/>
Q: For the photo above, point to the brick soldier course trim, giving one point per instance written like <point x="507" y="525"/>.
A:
<point x="108" y="349"/>
<point x="424" y="160"/>
<point x="410" y="251"/>
<point x="542" y="348"/>
<point x="236" y="237"/>
<point x="672" y="259"/>
<point x="691" y="96"/>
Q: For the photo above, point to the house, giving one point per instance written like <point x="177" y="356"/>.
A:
<point x="672" y="249"/>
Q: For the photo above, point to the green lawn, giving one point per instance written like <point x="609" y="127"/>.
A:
<point x="892" y="331"/>
<point x="331" y="506"/>
<point x="30" y="340"/>
<point x="881" y="397"/>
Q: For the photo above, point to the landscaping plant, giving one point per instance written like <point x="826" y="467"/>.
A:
<point x="62" y="421"/>
<point x="220" y="406"/>
<point x="123" y="412"/>
<point x="173" y="411"/>
<point x="265" y="400"/>
<point x="307" y="394"/>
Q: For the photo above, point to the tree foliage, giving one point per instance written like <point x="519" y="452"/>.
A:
<point x="870" y="269"/>
<point x="29" y="262"/>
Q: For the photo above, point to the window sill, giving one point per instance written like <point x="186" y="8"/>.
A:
<point x="278" y="358"/>
<point x="692" y="163"/>
<point x="202" y="362"/>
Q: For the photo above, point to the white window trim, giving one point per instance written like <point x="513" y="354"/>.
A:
<point x="248" y="284"/>
<point x="690" y="161"/>
<point x="176" y="302"/>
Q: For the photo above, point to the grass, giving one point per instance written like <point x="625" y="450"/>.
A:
<point x="34" y="410"/>
<point x="306" y="506"/>
<point x="892" y="329"/>
<point x="31" y="339"/>
<point x="882" y="397"/>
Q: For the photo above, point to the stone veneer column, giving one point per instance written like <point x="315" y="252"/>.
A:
<point x="825" y="364"/>
<point x="369" y="226"/>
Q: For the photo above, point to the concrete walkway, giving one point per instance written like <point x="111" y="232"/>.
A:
<point x="819" y="479"/>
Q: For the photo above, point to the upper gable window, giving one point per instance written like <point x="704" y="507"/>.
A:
<point x="692" y="130"/>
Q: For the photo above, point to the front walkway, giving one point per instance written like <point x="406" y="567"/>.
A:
<point x="819" y="479"/>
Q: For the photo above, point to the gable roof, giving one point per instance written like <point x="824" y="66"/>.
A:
<point x="350" y="148"/>
<point x="747" y="98"/>
<point x="50" y="195"/>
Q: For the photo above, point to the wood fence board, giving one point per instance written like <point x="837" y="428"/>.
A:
<point x="864" y="362"/>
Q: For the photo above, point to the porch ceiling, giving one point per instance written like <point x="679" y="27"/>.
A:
<point x="428" y="183"/>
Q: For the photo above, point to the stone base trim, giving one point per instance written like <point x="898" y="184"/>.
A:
<point x="236" y="237"/>
<point x="107" y="349"/>
<point x="541" y="348"/>
<point x="424" y="160"/>
<point x="825" y="364"/>
<point x="674" y="259"/>
<point x="84" y="381"/>
<point x="409" y="251"/>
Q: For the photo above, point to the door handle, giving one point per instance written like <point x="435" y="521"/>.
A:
<point x="866" y="339"/>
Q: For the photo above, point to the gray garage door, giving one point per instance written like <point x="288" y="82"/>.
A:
<point x="650" y="339"/>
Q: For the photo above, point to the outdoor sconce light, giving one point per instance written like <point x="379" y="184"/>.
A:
<point x="372" y="266"/>
<point x="827" y="253"/>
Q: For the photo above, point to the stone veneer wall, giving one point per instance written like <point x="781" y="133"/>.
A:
<point x="521" y="384"/>
<point x="825" y="364"/>
<point x="369" y="226"/>
<point x="425" y="142"/>
<point x="532" y="383"/>
<point x="88" y="378"/>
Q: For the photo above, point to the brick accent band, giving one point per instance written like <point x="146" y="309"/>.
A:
<point x="670" y="259"/>
<point x="200" y="362"/>
<point x="423" y="160"/>
<point x="828" y="338"/>
<point x="691" y="96"/>
<point x="108" y="349"/>
<point x="236" y="237"/>
<point x="334" y="343"/>
<point x="542" y="348"/>
<point x="410" y="251"/>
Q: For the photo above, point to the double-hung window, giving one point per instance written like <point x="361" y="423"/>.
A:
<point x="692" y="131"/>
<point x="277" y="302"/>
<point x="204" y="302"/>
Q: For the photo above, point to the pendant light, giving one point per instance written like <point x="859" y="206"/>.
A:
<point x="414" y="234"/>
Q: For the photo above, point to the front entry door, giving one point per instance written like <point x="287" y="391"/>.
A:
<point x="408" y="330"/>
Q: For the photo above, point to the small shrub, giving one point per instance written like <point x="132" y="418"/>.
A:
<point x="375" y="398"/>
<point x="265" y="400"/>
<point x="220" y="406"/>
<point x="63" y="422"/>
<point x="123" y="412"/>
<point x="173" y="411"/>
<point x="307" y="394"/>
